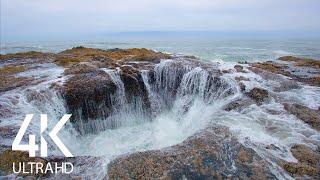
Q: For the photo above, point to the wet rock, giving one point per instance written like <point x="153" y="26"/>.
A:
<point x="273" y="111"/>
<point x="287" y="85"/>
<point x="241" y="78"/>
<point x="315" y="81"/>
<point x="6" y="107"/>
<point x="238" y="104"/>
<point x="26" y="57"/>
<point x="305" y="72"/>
<point x="8" y="131"/>
<point x="82" y="54"/>
<point x="89" y="96"/>
<point x="302" y="61"/>
<point x="85" y="167"/>
<point x="80" y="69"/>
<point x="273" y="147"/>
<point x="212" y="153"/>
<point x="242" y="87"/>
<point x="190" y="57"/>
<point x="239" y="68"/>
<point x="243" y="62"/>
<point x="10" y="82"/>
<point x="11" y="70"/>
<point x="258" y="95"/>
<point x="308" y="163"/>
<point x="7" y="157"/>
<point x="226" y="71"/>
<point x="134" y="85"/>
<point x="271" y="67"/>
<point x="309" y="116"/>
<point x="305" y="154"/>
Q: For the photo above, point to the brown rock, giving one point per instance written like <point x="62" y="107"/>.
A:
<point x="80" y="69"/>
<point x="308" y="162"/>
<point x="241" y="78"/>
<point x="227" y="71"/>
<point x="238" y="104"/>
<point x="239" y="68"/>
<point x="258" y="95"/>
<point x="309" y="116"/>
<point x="302" y="61"/>
<point x="287" y="85"/>
<point x="290" y="71"/>
<point x="8" y="157"/>
<point x="242" y="87"/>
<point x="10" y="82"/>
<point x="25" y="55"/>
<point x="305" y="155"/>
<point x="271" y="67"/>
<point x="212" y="153"/>
<point x="88" y="96"/>
<point x="82" y="54"/>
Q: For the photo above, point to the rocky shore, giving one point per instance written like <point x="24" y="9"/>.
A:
<point x="96" y="85"/>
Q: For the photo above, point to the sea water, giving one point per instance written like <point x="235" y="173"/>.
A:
<point x="207" y="48"/>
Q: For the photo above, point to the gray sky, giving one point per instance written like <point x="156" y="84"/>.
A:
<point x="32" y="18"/>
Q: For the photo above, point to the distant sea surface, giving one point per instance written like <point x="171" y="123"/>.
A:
<point x="210" y="48"/>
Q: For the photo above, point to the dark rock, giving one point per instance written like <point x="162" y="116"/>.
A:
<point x="8" y="83"/>
<point x="273" y="147"/>
<point x="25" y="57"/>
<point x="80" y="69"/>
<point x="242" y="87"/>
<point x="287" y="85"/>
<point x="134" y="85"/>
<point x="212" y="153"/>
<point x="308" y="163"/>
<point x="309" y="116"/>
<point x="9" y="80"/>
<point x="8" y="131"/>
<point x="290" y="71"/>
<point x="241" y="78"/>
<point x="227" y="71"/>
<point x="243" y="62"/>
<point x="238" y="104"/>
<point x="258" y="95"/>
<point x="271" y="67"/>
<point x="302" y="61"/>
<point x="239" y="68"/>
<point x="88" y="96"/>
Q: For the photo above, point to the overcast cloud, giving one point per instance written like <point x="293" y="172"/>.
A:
<point x="21" y="18"/>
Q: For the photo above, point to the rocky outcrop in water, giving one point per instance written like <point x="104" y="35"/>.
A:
<point x="213" y="153"/>
<point x="103" y="83"/>
<point x="308" y="115"/>
<point x="303" y="70"/>
<point x="258" y="95"/>
<point x="307" y="165"/>
<point x="99" y="86"/>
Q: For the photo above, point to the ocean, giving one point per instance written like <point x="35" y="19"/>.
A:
<point x="209" y="48"/>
